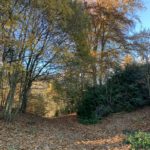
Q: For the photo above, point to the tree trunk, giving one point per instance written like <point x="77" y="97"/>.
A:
<point x="10" y="97"/>
<point x="148" y="73"/>
<point x="94" y="75"/>
<point x="24" y="96"/>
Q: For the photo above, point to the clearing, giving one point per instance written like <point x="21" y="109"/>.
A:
<point x="29" y="132"/>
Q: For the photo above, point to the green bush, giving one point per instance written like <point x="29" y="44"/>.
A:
<point x="126" y="90"/>
<point x="88" y="108"/>
<point x="139" y="140"/>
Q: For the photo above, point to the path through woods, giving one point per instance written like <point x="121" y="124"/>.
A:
<point x="65" y="133"/>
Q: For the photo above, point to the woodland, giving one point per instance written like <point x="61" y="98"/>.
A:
<point x="74" y="74"/>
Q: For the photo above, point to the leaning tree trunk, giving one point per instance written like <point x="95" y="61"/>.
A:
<point x="10" y="97"/>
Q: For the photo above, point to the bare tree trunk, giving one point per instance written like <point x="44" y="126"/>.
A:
<point x="10" y="97"/>
<point x="94" y="75"/>
<point x="25" y="95"/>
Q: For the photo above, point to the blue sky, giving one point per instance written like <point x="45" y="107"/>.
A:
<point x="144" y="16"/>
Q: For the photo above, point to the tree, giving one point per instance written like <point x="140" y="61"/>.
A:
<point x="110" y="26"/>
<point x="32" y="44"/>
<point x="141" y="46"/>
<point x="11" y="63"/>
<point x="43" y="45"/>
<point x="81" y="42"/>
<point x="99" y="35"/>
<point x="75" y="74"/>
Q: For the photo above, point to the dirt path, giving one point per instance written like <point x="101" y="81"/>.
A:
<point x="65" y="133"/>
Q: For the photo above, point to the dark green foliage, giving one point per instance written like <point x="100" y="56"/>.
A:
<point x="129" y="88"/>
<point x="138" y="140"/>
<point x="93" y="105"/>
<point x="126" y="90"/>
<point x="88" y="121"/>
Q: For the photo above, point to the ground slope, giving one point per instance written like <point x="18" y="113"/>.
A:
<point x="65" y="133"/>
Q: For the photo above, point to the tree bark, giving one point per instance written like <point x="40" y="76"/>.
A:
<point x="24" y="96"/>
<point x="10" y="97"/>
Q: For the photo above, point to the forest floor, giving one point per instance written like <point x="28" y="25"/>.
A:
<point x="29" y="132"/>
